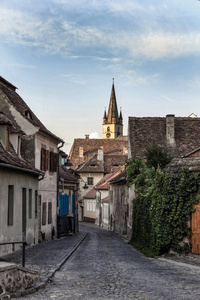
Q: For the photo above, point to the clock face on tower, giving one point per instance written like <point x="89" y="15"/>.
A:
<point x="108" y="135"/>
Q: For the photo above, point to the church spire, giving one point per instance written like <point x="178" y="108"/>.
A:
<point x="112" y="111"/>
<point x="112" y="122"/>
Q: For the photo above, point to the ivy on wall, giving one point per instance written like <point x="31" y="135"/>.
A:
<point x="162" y="207"/>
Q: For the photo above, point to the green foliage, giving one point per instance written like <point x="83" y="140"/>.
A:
<point x="133" y="169"/>
<point x="157" y="156"/>
<point x="162" y="207"/>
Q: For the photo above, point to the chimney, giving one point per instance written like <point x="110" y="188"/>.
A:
<point x="100" y="155"/>
<point x="170" y="130"/>
<point x="87" y="136"/>
<point x="80" y="151"/>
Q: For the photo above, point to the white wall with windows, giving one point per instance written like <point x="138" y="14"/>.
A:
<point x="18" y="208"/>
<point x="90" y="208"/>
<point x="46" y="159"/>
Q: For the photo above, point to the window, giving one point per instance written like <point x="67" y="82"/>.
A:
<point x="28" y="114"/>
<point x="49" y="212"/>
<point x="36" y="204"/>
<point x="88" y="205"/>
<point x="94" y="205"/>
<point x="90" y="180"/>
<point x="44" y="213"/>
<point x="53" y="161"/>
<point x="10" y="204"/>
<point x="30" y="204"/>
<point x="44" y="159"/>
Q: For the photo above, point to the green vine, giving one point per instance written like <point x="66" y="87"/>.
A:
<point x="162" y="207"/>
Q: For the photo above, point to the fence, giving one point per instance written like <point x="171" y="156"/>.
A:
<point x="23" y="249"/>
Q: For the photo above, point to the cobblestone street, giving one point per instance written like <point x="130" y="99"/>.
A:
<point x="106" y="267"/>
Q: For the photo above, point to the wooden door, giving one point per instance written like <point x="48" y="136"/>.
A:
<point x="195" y="226"/>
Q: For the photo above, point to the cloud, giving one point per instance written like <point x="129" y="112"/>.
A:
<point x="95" y="135"/>
<point x="76" y="79"/>
<point x="114" y="59"/>
<point x="193" y="83"/>
<point x="131" y="76"/>
<point x="18" y="65"/>
<point x="54" y="35"/>
<point x="168" y="99"/>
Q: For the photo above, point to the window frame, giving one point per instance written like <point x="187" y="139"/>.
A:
<point x="90" y="180"/>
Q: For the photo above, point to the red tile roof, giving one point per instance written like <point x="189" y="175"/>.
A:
<point x="118" y="146"/>
<point x="104" y="182"/>
<point x="91" y="194"/>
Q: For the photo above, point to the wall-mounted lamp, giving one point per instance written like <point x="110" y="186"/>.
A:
<point x="85" y="187"/>
<point x="68" y="164"/>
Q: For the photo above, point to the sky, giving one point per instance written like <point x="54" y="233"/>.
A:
<point x="63" y="54"/>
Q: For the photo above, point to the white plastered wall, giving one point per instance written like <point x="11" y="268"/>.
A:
<point x="14" y="233"/>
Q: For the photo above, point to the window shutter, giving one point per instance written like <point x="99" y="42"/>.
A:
<point x="44" y="209"/>
<point x="51" y="160"/>
<point x="73" y="203"/>
<point x="46" y="160"/>
<point x="55" y="161"/>
<point x="66" y="204"/>
<point x="49" y="212"/>
<point x="42" y="159"/>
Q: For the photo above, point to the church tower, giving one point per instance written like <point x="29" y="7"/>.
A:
<point x="113" y="122"/>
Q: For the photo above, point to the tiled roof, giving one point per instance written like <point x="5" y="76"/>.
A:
<point x="91" y="194"/>
<point x="110" y="164"/>
<point x="90" y="147"/>
<point x="68" y="175"/>
<point x="193" y="164"/>
<point x="9" y="91"/>
<point x="120" y="178"/>
<point x="105" y="199"/>
<point x="143" y="131"/>
<point x="91" y="165"/>
<point x="113" y="162"/>
<point x="10" y="158"/>
<point x="104" y="182"/>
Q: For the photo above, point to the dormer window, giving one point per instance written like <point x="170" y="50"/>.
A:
<point x="28" y="114"/>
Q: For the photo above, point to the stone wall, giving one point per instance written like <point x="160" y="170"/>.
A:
<point x="14" y="278"/>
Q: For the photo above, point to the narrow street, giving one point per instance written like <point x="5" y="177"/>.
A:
<point x="106" y="267"/>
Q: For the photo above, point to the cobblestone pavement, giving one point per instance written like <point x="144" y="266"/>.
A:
<point x="47" y="256"/>
<point x="106" y="267"/>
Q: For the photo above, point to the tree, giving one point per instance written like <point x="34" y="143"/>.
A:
<point x="157" y="156"/>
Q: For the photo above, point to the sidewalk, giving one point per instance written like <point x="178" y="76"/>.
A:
<point x="192" y="260"/>
<point x="47" y="257"/>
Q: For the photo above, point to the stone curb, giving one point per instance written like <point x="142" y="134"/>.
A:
<point x="180" y="263"/>
<point x="44" y="280"/>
